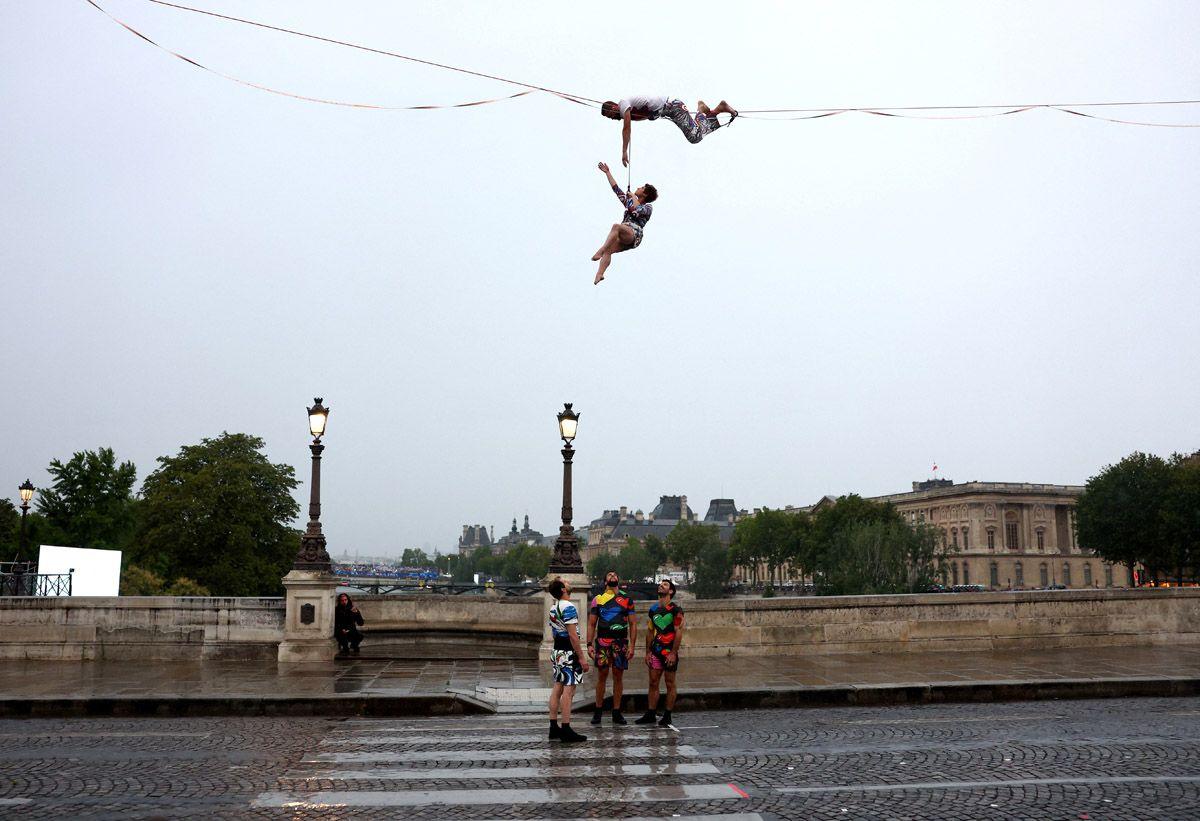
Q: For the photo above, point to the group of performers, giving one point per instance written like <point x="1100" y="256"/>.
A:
<point x="612" y="642"/>
<point x="628" y="232"/>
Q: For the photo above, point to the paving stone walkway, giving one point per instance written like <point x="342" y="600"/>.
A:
<point x="1102" y="760"/>
<point x="489" y="683"/>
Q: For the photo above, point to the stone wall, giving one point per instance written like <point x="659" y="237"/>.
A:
<point x="436" y="626"/>
<point x="139" y="628"/>
<point x="950" y="621"/>
<point x="439" y="626"/>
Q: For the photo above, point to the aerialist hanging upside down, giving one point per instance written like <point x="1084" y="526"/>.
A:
<point x="627" y="233"/>
<point x="694" y="128"/>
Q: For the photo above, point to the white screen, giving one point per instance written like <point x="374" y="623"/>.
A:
<point x="97" y="572"/>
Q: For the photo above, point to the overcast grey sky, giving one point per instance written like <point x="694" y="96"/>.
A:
<point x="818" y="307"/>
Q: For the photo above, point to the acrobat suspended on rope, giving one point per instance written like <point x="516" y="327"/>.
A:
<point x="627" y="233"/>
<point x="695" y="128"/>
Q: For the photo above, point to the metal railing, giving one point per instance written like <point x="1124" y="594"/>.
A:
<point x="391" y="587"/>
<point x="15" y="581"/>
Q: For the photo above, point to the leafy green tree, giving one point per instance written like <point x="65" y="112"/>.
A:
<point x="657" y="549"/>
<point x="526" y="561"/>
<point x="633" y="563"/>
<point x="714" y="568"/>
<point x="91" y="499"/>
<point x="219" y="513"/>
<point x="685" y="541"/>
<point x="10" y="529"/>
<point x="600" y="564"/>
<point x="772" y="537"/>
<point x="1120" y="513"/>
<point x="138" y="581"/>
<point x="183" y="586"/>
<point x="866" y="557"/>
<point x="415" y="557"/>
<point x="1181" y="517"/>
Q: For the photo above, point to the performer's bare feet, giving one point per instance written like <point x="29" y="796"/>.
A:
<point x="598" y="279"/>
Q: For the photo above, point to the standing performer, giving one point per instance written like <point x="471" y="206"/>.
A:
<point x="567" y="660"/>
<point x="694" y="128"/>
<point x="612" y="636"/>
<point x="662" y="651"/>
<point x="627" y="233"/>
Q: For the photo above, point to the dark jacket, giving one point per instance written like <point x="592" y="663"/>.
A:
<point x="344" y="618"/>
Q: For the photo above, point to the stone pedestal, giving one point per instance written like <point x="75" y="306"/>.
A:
<point x="579" y="595"/>
<point x="308" y="626"/>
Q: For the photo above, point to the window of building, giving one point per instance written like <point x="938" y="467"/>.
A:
<point x="954" y="572"/>
<point x="966" y="573"/>
<point x="1066" y="574"/>
<point x="954" y="537"/>
<point x="1087" y="574"/>
<point x="992" y="539"/>
<point x="1041" y="540"/>
<point x="994" y="572"/>
<point x="1019" y="574"/>
<point x="1043" y="575"/>
<point x="966" y="538"/>
<point x="1010" y="535"/>
<point x="1108" y="575"/>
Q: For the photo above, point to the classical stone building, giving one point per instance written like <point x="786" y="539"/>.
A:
<point x="611" y="532"/>
<point x="1008" y="535"/>
<point x="473" y="536"/>
<point x="514" y="538"/>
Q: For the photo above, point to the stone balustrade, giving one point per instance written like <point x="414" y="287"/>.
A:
<point x="438" y="626"/>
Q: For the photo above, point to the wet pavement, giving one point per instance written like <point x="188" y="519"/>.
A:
<point x="1092" y="759"/>
<point x="490" y="684"/>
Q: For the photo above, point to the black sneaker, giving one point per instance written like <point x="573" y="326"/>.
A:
<point x="665" y="721"/>
<point x="568" y="735"/>
<point x="555" y="732"/>
<point x="618" y="718"/>
<point x="599" y="711"/>
<point x="649" y="717"/>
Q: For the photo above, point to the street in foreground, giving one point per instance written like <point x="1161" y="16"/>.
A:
<point x="1113" y="759"/>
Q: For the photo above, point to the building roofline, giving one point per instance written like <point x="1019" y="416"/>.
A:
<point x="999" y="488"/>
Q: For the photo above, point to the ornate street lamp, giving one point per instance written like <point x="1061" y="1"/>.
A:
<point x="312" y="555"/>
<point x="26" y="489"/>
<point x="566" y="548"/>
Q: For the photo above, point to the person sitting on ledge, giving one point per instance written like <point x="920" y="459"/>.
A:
<point x="346" y="621"/>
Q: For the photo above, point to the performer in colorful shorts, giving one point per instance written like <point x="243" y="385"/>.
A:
<point x="662" y="651"/>
<point x="612" y="637"/>
<point x="652" y="107"/>
<point x="566" y="659"/>
<point x="627" y="233"/>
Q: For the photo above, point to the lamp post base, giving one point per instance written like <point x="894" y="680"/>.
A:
<point x="308" y="626"/>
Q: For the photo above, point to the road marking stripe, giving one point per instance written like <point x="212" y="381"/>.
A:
<point x="729" y="816"/>
<point x="558" y="752"/>
<point x="46" y="736"/>
<point x="1016" y="782"/>
<point x="643" y="737"/>
<point x="465" y="773"/>
<point x="558" y="795"/>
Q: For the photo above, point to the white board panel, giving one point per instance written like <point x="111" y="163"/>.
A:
<point x="97" y="572"/>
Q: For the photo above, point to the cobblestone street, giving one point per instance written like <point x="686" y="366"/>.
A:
<point x="1116" y="759"/>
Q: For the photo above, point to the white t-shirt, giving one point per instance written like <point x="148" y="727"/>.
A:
<point x="647" y="106"/>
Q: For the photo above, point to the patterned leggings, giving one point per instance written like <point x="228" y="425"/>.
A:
<point x="694" y="130"/>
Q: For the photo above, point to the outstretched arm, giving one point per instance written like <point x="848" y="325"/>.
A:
<point x="626" y="130"/>
<point x="604" y="167"/>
